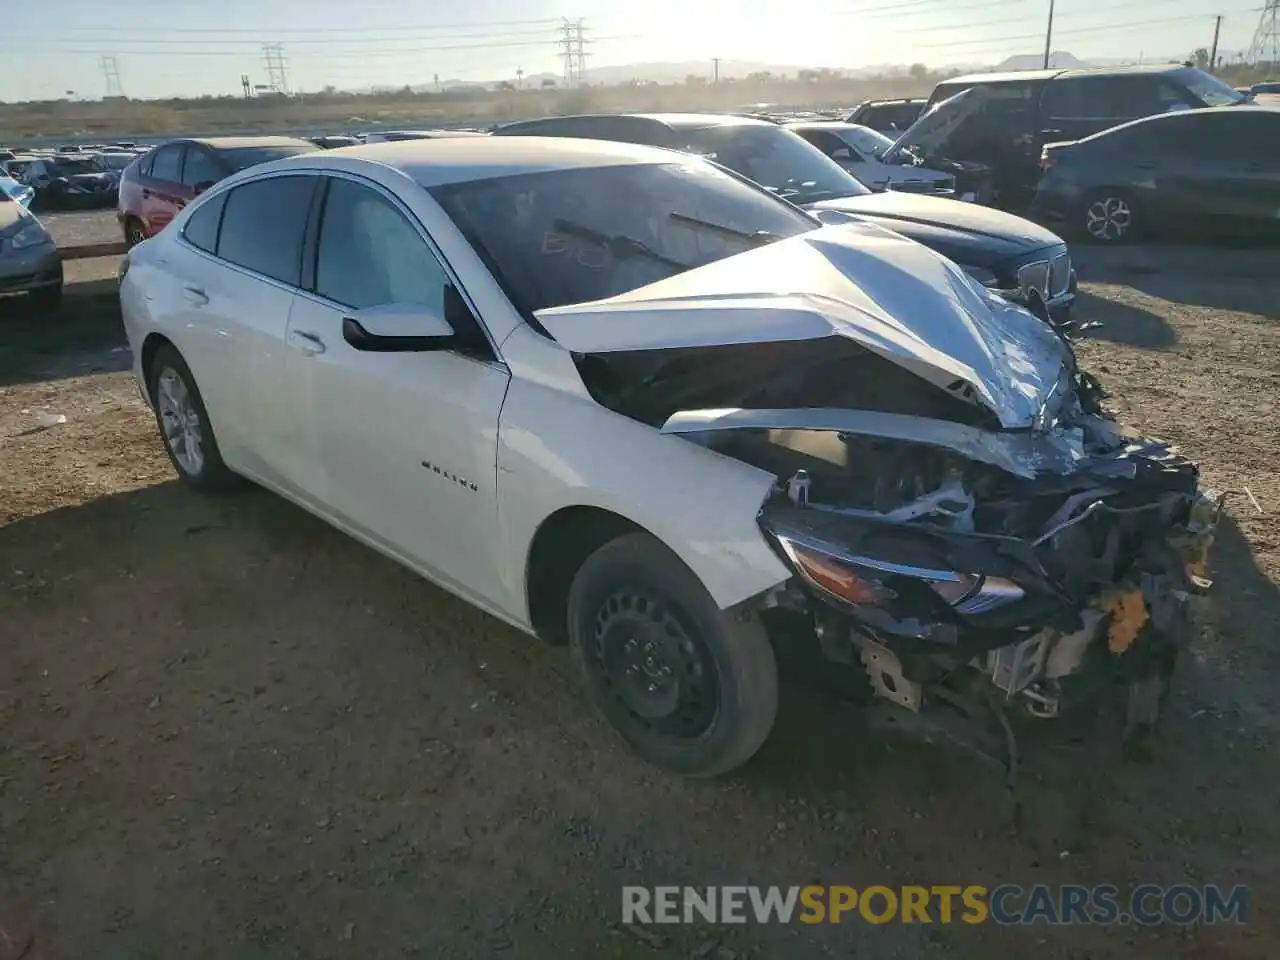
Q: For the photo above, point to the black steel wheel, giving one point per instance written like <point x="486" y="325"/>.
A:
<point x="691" y="687"/>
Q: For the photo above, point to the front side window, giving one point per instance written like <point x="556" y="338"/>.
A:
<point x="263" y="225"/>
<point x="166" y="163"/>
<point x="371" y="255"/>
<point x="570" y="236"/>
<point x="777" y="159"/>
<point x="200" y="168"/>
<point x="1206" y="88"/>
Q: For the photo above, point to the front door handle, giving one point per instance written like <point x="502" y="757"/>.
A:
<point x="309" y="343"/>
<point x="146" y="194"/>
<point x="195" y="295"/>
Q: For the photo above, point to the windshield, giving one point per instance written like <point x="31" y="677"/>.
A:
<point x="241" y="158"/>
<point x="1207" y="88"/>
<point x="778" y="160"/>
<point x="571" y="236"/>
<point x="864" y="140"/>
<point x="70" y="168"/>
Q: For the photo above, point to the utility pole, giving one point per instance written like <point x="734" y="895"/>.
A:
<point x="111" y="73"/>
<point x="716" y="62"/>
<point x="1048" y="36"/>
<point x="1213" y="53"/>
<point x="273" y="59"/>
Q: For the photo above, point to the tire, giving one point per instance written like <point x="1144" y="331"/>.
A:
<point x="134" y="233"/>
<point x="690" y="687"/>
<point x="1109" y="217"/>
<point x="184" y="425"/>
<point x="45" y="298"/>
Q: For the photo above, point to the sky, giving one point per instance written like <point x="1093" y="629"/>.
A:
<point x="193" y="47"/>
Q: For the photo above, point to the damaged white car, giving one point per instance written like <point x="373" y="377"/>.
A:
<point x="620" y="398"/>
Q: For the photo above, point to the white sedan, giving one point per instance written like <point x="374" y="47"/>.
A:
<point x="625" y="399"/>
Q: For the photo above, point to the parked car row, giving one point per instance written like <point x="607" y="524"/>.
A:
<point x="691" y="413"/>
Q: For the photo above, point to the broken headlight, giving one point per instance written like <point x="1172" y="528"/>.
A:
<point x="860" y="580"/>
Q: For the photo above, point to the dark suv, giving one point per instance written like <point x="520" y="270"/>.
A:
<point x="1018" y="113"/>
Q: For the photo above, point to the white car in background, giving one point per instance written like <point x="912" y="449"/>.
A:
<point x="626" y="399"/>
<point x="859" y="150"/>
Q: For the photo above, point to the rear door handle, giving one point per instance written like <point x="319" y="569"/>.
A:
<point x="306" y="341"/>
<point x="195" y="295"/>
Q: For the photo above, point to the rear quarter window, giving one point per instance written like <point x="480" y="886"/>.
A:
<point x="263" y="223"/>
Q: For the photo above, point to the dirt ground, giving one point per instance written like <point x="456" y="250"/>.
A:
<point x="228" y="731"/>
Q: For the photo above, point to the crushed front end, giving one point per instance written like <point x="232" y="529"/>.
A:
<point x="957" y="569"/>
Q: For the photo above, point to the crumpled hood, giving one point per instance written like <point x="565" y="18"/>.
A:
<point x="891" y="295"/>
<point x="935" y="220"/>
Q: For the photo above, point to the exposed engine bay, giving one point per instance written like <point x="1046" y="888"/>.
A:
<point x="952" y="564"/>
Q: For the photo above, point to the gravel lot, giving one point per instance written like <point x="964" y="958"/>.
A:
<point x="227" y="727"/>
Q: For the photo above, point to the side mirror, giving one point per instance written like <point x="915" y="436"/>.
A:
<point x="397" y="328"/>
<point x="203" y="185"/>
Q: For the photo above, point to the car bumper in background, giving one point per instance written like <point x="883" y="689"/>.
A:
<point x="30" y="269"/>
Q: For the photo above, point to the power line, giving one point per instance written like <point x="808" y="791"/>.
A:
<point x="1078" y="30"/>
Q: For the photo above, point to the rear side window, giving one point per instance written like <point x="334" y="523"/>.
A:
<point x="166" y="163"/>
<point x="1109" y="98"/>
<point x="263" y="223"/>
<point x="202" y="226"/>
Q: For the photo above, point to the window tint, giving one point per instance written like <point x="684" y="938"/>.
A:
<point x="1109" y="98"/>
<point x="776" y="159"/>
<point x="202" y="226"/>
<point x="827" y="142"/>
<point x="166" y="163"/>
<point x="263" y="224"/>
<point x="370" y="254"/>
<point x="200" y="167"/>
<point x="241" y="158"/>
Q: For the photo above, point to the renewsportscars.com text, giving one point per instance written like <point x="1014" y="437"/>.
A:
<point x="1008" y="904"/>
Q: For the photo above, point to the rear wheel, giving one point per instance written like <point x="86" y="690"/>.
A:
<point x="1110" y="217"/>
<point x="689" y="686"/>
<point x="184" y="424"/>
<point x="133" y="232"/>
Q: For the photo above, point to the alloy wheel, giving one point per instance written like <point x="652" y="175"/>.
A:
<point x="1108" y="218"/>
<point x="180" y="421"/>
<point x="133" y="234"/>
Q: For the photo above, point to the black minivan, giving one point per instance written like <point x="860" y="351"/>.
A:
<point x="1016" y="114"/>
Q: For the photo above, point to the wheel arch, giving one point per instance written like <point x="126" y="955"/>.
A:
<point x="150" y="347"/>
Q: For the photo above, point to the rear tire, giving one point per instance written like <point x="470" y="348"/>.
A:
<point x="134" y="233"/>
<point x="184" y="425"/>
<point x="692" y="688"/>
<point x="1109" y="217"/>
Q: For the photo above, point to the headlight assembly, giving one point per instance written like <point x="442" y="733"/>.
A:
<point x="862" y="580"/>
<point x="31" y="235"/>
<point x="1034" y="276"/>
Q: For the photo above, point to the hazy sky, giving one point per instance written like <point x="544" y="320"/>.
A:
<point x="172" y="47"/>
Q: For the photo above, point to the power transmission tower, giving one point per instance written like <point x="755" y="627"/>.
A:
<point x="580" y="52"/>
<point x="1266" y="39"/>
<point x="111" y="73"/>
<point x="567" y="51"/>
<point x="273" y="60"/>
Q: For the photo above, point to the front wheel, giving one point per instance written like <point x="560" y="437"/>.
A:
<point x="1110" y="217"/>
<point x="184" y="424"/>
<point x="689" y="686"/>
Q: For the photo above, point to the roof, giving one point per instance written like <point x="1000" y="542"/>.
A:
<point x="827" y="125"/>
<point x="461" y="159"/>
<point x="886" y="101"/>
<point x="699" y="121"/>
<point x="1024" y="75"/>
<point x="231" y="143"/>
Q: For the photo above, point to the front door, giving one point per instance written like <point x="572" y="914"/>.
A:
<point x="404" y="444"/>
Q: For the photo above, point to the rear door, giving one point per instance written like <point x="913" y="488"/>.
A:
<point x="163" y="192"/>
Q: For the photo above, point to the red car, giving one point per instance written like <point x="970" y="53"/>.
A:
<point x="162" y="181"/>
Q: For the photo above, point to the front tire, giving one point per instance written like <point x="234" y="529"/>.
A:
<point x="184" y="425"/>
<point x="690" y="687"/>
<point x="1109" y="217"/>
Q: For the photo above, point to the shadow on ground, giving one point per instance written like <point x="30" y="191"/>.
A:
<point x="81" y="336"/>
<point x="231" y="727"/>
<point x="1123" y="323"/>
